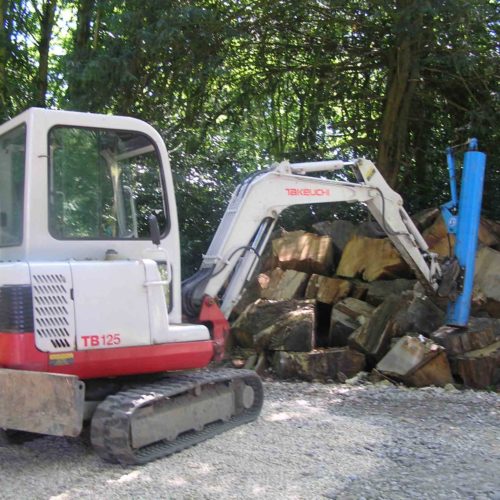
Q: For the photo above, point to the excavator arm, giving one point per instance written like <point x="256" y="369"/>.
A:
<point x="254" y="209"/>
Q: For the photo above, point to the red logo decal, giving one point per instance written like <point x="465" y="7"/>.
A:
<point x="307" y="192"/>
<point x="108" y="339"/>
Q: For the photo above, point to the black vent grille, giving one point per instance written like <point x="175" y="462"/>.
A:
<point x="16" y="309"/>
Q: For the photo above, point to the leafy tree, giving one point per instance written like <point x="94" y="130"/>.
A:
<point x="232" y="86"/>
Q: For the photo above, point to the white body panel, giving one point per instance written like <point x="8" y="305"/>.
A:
<point x="111" y="303"/>
<point x="14" y="273"/>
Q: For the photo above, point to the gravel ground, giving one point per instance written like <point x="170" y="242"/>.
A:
<point x="312" y="441"/>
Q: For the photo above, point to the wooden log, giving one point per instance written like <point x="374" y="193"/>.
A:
<point x="425" y="218"/>
<point x="327" y="290"/>
<point x="371" y="259"/>
<point x="436" y="236"/>
<point x="397" y="315"/>
<point x="378" y="291"/>
<point x="493" y="227"/>
<point x="359" y="289"/>
<point x="416" y="361"/>
<point x="292" y="331"/>
<point x="340" y="231"/>
<point x="259" y="316"/>
<point x="420" y="315"/>
<point x="305" y="252"/>
<point x="261" y="365"/>
<point x="253" y="292"/>
<point x="347" y="315"/>
<point x="325" y="364"/>
<point x="436" y="372"/>
<point x="370" y="229"/>
<point x="242" y="357"/>
<point x="479" y="369"/>
<point x="373" y="338"/>
<point x="478" y="334"/>
<point x="285" y="285"/>
<point x="487" y="279"/>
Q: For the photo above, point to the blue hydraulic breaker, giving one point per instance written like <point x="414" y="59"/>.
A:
<point x="462" y="218"/>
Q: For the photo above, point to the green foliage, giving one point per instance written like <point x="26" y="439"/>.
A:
<point x="235" y="85"/>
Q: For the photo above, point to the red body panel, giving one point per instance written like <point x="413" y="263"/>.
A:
<point x="211" y="315"/>
<point x="18" y="351"/>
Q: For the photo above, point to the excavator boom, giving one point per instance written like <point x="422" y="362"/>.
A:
<point x="257" y="203"/>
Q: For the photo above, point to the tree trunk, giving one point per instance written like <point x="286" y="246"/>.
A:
<point x="81" y="49"/>
<point x="404" y="72"/>
<point x="4" y="40"/>
<point x="47" y="21"/>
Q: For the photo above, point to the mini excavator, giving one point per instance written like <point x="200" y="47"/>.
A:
<point x="95" y="325"/>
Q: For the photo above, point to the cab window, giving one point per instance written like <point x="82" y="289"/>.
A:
<point x="12" y="159"/>
<point x="104" y="184"/>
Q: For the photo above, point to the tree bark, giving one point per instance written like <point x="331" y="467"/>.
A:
<point x="404" y="72"/>
<point x="4" y="40"/>
<point x="81" y="49"/>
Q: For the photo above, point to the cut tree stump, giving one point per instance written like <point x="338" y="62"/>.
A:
<point x="416" y="361"/>
<point x="259" y="316"/>
<point x="326" y="364"/>
<point x="285" y="285"/>
<point x="305" y="252"/>
<point x="347" y="315"/>
<point x="292" y="331"/>
<point x="479" y="369"/>
<point x="371" y="259"/>
<point x="327" y="290"/>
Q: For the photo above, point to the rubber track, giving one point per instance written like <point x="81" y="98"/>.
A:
<point x="110" y="427"/>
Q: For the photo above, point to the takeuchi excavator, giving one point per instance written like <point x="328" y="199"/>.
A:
<point x="95" y="325"/>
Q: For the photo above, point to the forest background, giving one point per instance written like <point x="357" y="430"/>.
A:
<point x="233" y="85"/>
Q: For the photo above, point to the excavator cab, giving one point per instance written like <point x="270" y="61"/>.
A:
<point x="84" y="288"/>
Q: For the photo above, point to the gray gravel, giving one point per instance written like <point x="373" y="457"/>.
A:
<point x="312" y="441"/>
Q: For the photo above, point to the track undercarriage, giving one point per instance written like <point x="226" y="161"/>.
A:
<point x="147" y="422"/>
